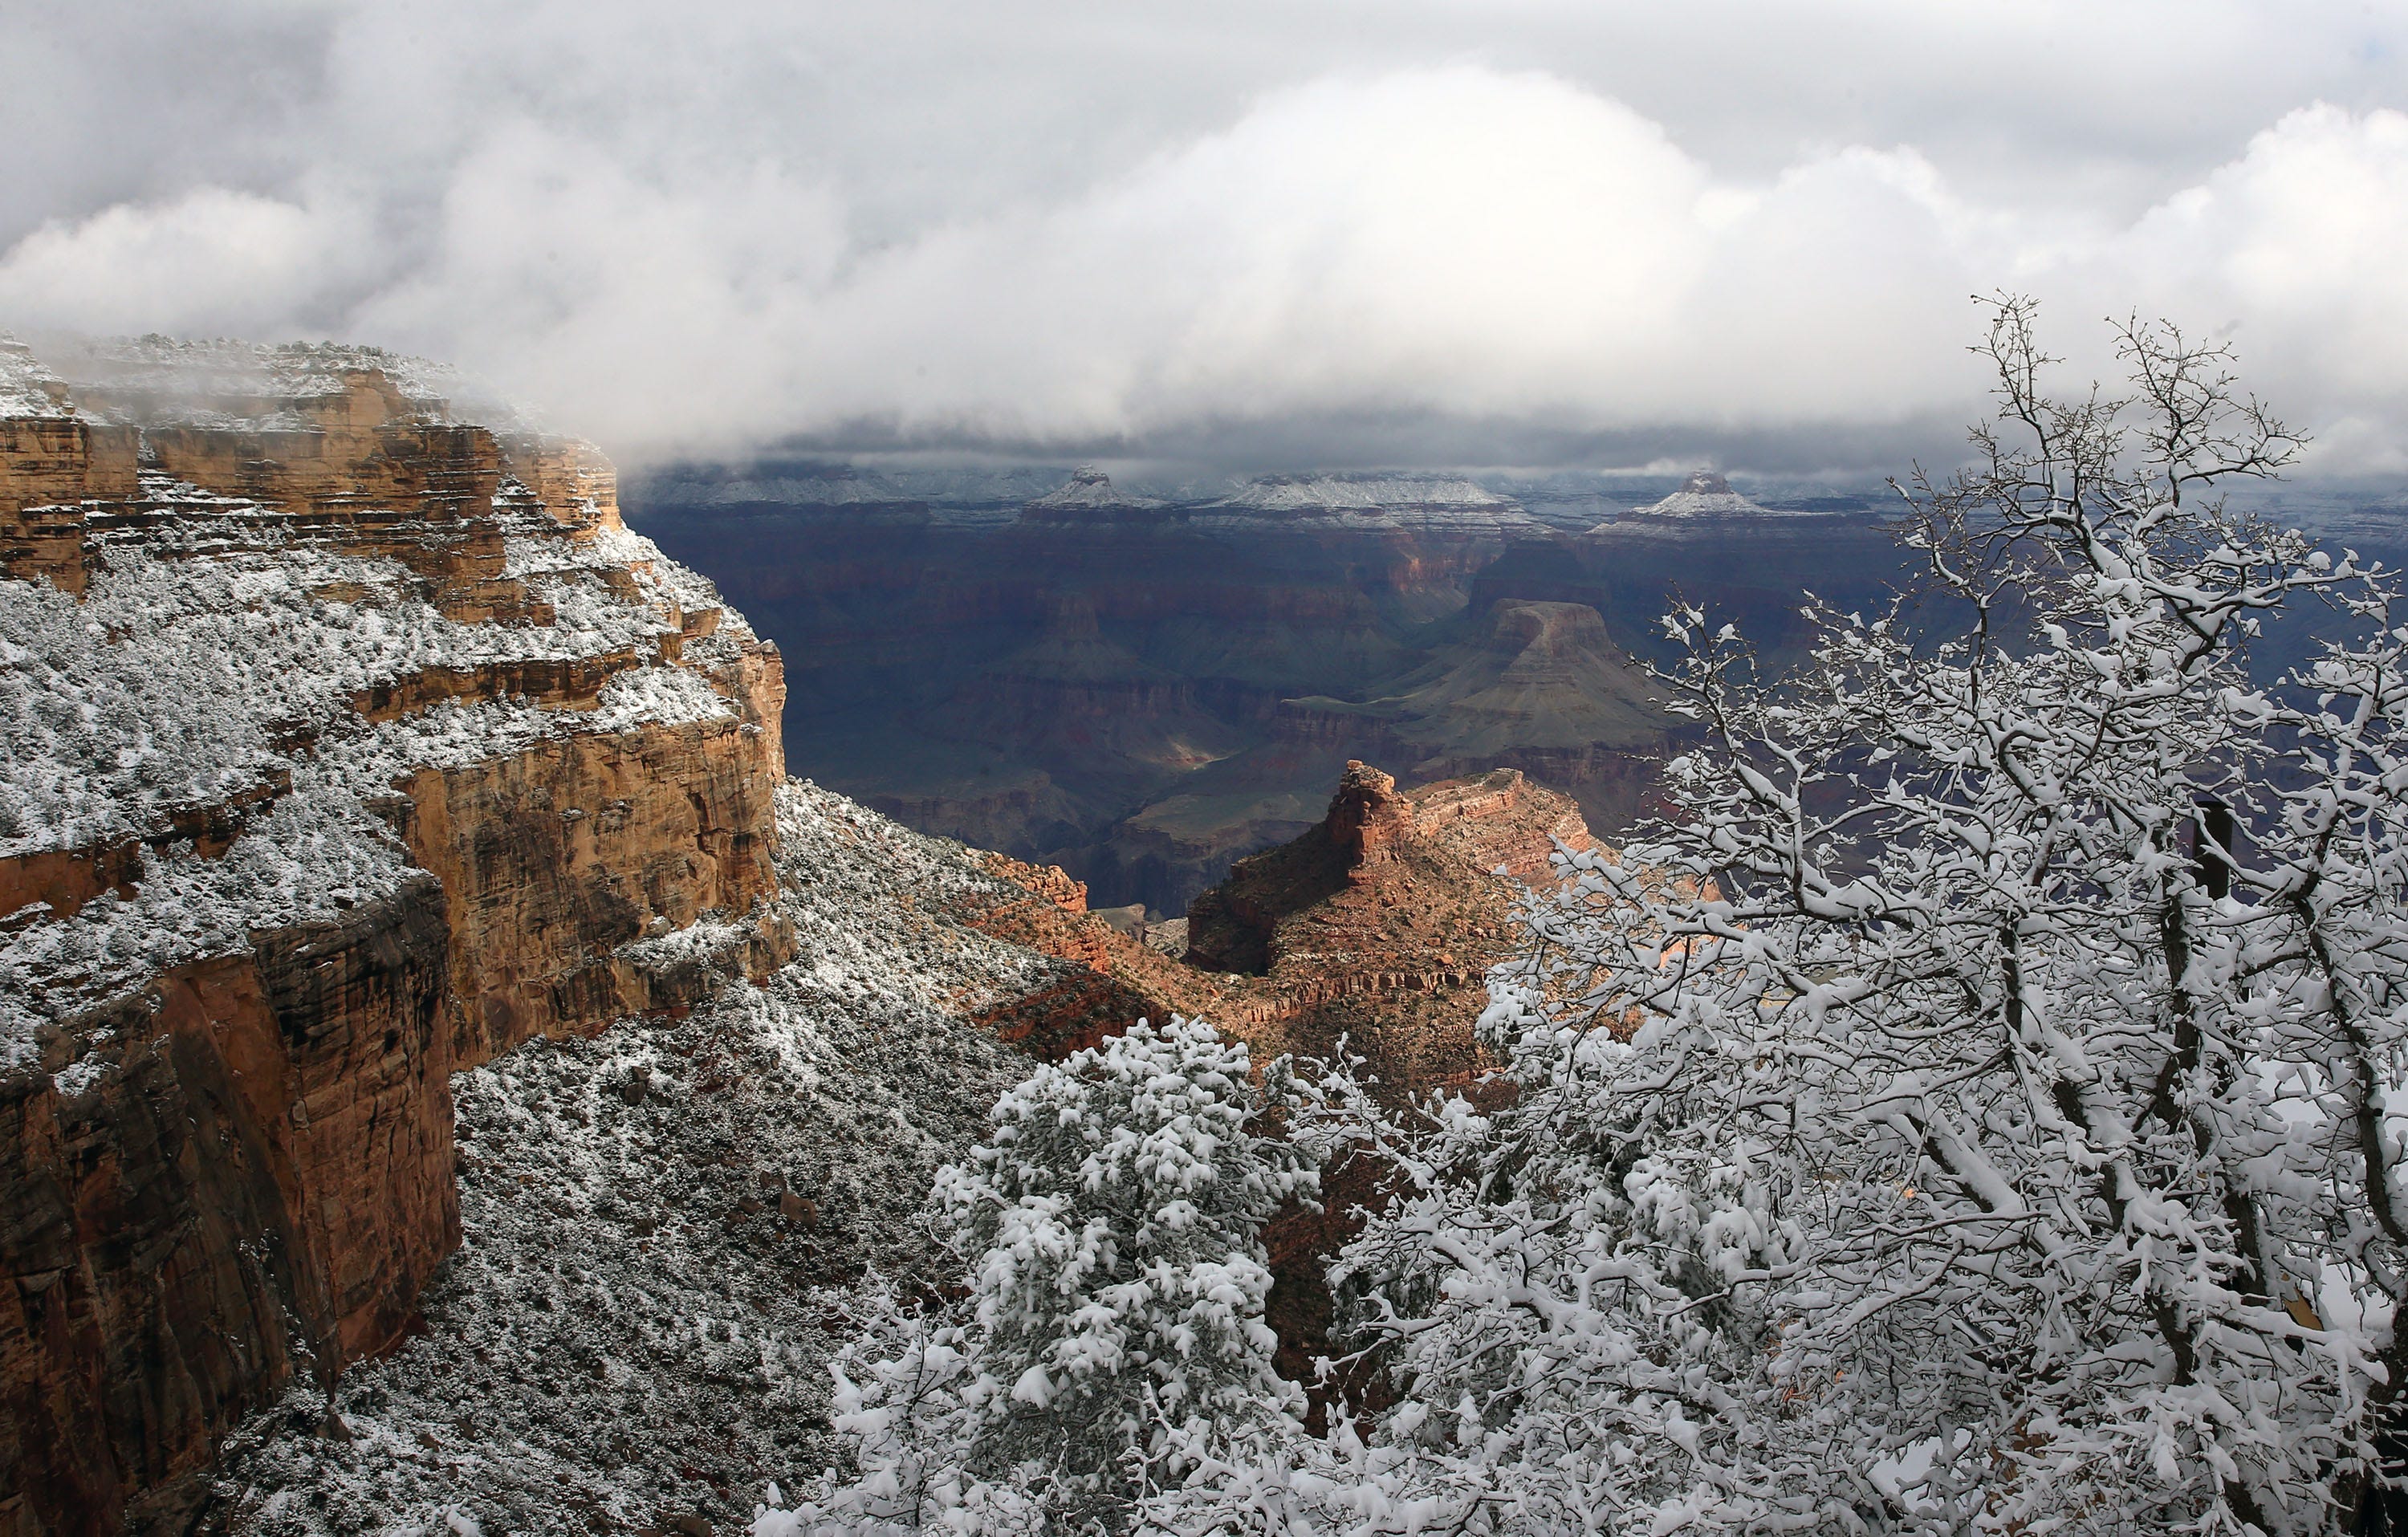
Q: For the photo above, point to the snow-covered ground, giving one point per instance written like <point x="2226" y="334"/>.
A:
<point x="1704" y="496"/>
<point x="660" y="1224"/>
<point x="27" y="386"/>
<point x="217" y="655"/>
<point x="1366" y="501"/>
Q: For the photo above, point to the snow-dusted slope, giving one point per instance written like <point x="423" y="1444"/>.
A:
<point x="27" y="387"/>
<point x="1704" y="496"/>
<point x="1089" y="497"/>
<point x="1087" y="489"/>
<point x="634" y="1330"/>
<point x="1373" y="501"/>
<point x="211" y="660"/>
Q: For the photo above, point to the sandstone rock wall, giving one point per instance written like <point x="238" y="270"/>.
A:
<point x="1377" y="926"/>
<point x="557" y="857"/>
<point x="50" y="468"/>
<point x="234" y="1163"/>
<point x="241" y="1170"/>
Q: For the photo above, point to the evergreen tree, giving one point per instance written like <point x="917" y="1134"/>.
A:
<point x="1113" y="1331"/>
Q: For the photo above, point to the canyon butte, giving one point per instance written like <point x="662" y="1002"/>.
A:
<point x="449" y="1073"/>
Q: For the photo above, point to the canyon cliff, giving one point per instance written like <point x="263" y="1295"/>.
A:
<point x="351" y="746"/>
<point x="1380" y="922"/>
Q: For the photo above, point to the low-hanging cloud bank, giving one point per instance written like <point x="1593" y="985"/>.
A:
<point x="1455" y="253"/>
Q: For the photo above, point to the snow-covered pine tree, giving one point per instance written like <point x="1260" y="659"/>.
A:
<point x="1976" y="1108"/>
<point x="1113" y="1331"/>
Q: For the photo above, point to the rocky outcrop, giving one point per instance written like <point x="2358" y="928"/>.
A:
<point x="1376" y="927"/>
<point x="1380" y="924"/>
<point x="353" y="744"/>
<point x="50" y="468"/>
<point x="1089" y="496"/>
<point x="1703" y="495"/>
<point x="1113" y="976"/>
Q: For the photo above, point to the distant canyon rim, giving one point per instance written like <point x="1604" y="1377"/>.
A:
<point x="1144" y="684"/>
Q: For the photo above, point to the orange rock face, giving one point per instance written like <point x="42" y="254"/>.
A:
<point x="1380" y="924"/>
<point x="238" y="1166"/>
<point x="555" y="857"/>
<point x="253" y="1177"/>
<point x="50" y="468"/>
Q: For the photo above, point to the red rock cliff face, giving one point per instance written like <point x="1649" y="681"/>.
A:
<point x="235" y="1164"/>
<point x="50" y="468"/>
<point x="555" y="857"/>
<point x="1381" y="922"/>
<point x="252" y="1176"/>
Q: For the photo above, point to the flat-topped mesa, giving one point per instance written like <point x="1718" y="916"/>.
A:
<point x="1426" y="503"/>
<point x="1089" y="497"/>
<point x="1704" y="496"/>
<point x="351" y="745"/>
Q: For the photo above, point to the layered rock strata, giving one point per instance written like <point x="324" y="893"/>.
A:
<point x="1379" y="925"/>
<point x="351" y="745"/>
<point x="354" y="744"/>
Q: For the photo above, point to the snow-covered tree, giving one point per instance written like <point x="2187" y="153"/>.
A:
<point x="1113" y="1330"/>
<point x="1974" y="1109"/>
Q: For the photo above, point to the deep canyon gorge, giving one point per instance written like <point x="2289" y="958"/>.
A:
<point x="1144" y="689"/>
<point x="429" y="1006"/>
<point x="453" y="1073"/>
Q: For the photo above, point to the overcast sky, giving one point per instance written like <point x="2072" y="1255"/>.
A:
<point x="1357" y="230"/>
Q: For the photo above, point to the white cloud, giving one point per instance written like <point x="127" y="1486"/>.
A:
<point x="707" y="235"/>
<point x="2298" y="246"/>
<point x="210" y="260"/>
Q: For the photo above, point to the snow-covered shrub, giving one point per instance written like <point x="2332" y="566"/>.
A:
<point x="1113" y="1330"/>
<point x="1972" y="1110"/>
